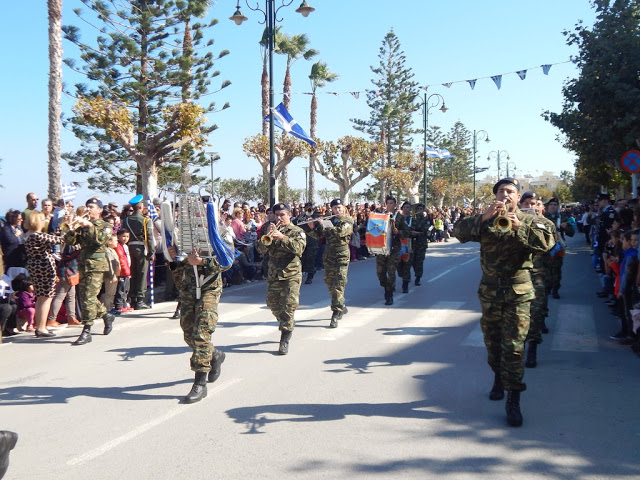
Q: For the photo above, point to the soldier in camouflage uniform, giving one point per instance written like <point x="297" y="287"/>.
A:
<point x="563" y="227"/>
<point x="285" y="271"/>
<point x="92" y="235"/>
<point x="405" y="259"/>
<point x="311" y="250"/>
<point x="336" y="257"/>
<point x="386" y="265"/>
<point x="506" y="290"/>
<point x="530" y="202"/>
<point x="419" y="241"/>
<point x="199" y="316"/>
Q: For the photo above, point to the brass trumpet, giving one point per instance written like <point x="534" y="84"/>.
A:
<point x="502" y="223"/>
<point x="267" y="239"/>
<point x="309" y="211"/>
<point x="74" y="224"/>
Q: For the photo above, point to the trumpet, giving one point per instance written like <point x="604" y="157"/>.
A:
<point x="502" y="223"/>
<point x="309" y="211"/>
<point x="74" y="224"/>
<point x="267" y="239"/>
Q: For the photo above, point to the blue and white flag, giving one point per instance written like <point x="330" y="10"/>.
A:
<point x="438" y="153"/>
<point x="151" y="209"/>
<point x="69" y="192"/>
<point x="283" y="119"/>
<point x="465" y="203"/>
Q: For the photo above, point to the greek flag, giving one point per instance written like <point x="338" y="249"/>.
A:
<point x="69" y="192"/>
<point x="5" y="287"/>
<point x="151" y="209"/>
<point x="438" y="153"/>
<point x="283" y="119"/>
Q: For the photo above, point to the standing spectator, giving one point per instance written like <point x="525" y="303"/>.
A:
<point x="141" y="249"/>
<point x="59" y="211"/>
<point x="124" y="279"/>
<point x="47" y="211"/>
<point x="32" y="205"/>
<point x="11" y="240"/>
<point x="68" y="278"/>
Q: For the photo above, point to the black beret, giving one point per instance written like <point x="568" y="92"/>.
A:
<point x="420" y="205"/>
<point x="604" y="196"/>
<point x="405" y="203"/>
<point x="335" y="202"/>
<point x="93" y="201"/>
<point x="553" y="200"/>
<point x="281" y="206"/>
<point x="308" y="204"/>
<point x="391" y="198"/>
<point x="529" y="194"/>
<point x="510" y="180"/>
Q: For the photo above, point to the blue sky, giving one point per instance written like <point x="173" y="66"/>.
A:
<point x="450" y="41"/>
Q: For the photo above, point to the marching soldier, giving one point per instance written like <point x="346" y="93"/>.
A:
<point x="199" y="316"/>
<point x="539" y="273"/>
<point x="406" y="256"/>
<point x="506" y="290"/>
<point x="336" y="257"/>
<point x="92" y="235"/>
<point x="285" y="250"/>
<point x="311" y="250"/>
<point x="420" y="241"/>
<point x="562" y="227"/>
<point x="386" y="265"/>
<point x="141" y="248"/>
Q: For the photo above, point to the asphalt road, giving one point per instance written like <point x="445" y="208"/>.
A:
<point x="394" y="392"/>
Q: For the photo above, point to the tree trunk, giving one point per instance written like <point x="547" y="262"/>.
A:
<point x="264" y="83"/>
<point x="187" y="150"/>
<point x="149" y="177"/>
<point x="286" y="91"/>
<point x="55" y="91"/>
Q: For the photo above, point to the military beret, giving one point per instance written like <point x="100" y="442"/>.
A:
<point x="553" y="200"/>
<point x="604" y="196"/>
<point x="136" y="199"/>
<point x="335" y="202"/>
<point x="391" y="198"/>
<point x="510" y="180"/>
<point x="93" y="201"/>
<point x="420" y="205"/>
<point x="404" y="204"/>
<point x="281" y="206"/>
<point x="529" y="194"/>
<point x="308" y="204"/>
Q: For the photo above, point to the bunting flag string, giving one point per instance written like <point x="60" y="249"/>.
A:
<point x="497" y="79"/>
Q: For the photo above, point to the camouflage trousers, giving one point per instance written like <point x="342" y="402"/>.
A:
<point x="554" y="275"/>
<point x="539" y="308"/>
<point x="283" y="298"/>
<point x="417" y="260"/>
<point x="505" y="324"/>
<point x="335" y="276"/>
<point x="198" y="319"/>
<point x="404" y="268"/>
<point x="386" y="266"/>
<point x="90" y="285"/>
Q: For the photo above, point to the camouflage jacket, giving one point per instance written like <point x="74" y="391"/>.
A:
<point x="338" y="236"/>
<point x="541" y="260"/>
<point x="284" y="255"/>
<point x="208" y="273"/>
<point x="93" y="245"/>
<point x="505" y="254"/>
<point x="421" y="225"/>
<point x="557" y="219"/>
<point x="403" y="232"/>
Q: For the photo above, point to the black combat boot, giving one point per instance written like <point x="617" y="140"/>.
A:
<point x="8" y="441"/>
<point x="85" y="336"/>
<point x="337" y="315"/>
<point x="554" y="292"/>
<point x="216" y="365"/>
<point x="532" y="357"/>
<point x="199" y="388"/>
<point x="108" y="323"/>
<point x="417" y="282"/>
<point x="497" y="391"/>
<point x="176" y="314"/>
<point x="543" y="327"/>
<point x="285" y="336"/>
<point x="309" y="280"/>
<point x="405" y="287"/>
<point x="514" y="417"/>
<point x="388" y="296"/>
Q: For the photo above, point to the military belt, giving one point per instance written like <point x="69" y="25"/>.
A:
<point x="521" y="276"/>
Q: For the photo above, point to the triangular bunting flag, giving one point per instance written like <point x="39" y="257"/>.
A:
<point x="522" y="74"/>
<point x="545" y="69"/>
<point x="497" y="79"/>
<point x="448" y="85"/>
<point x="472" y="83"/>
<point x="424" y="87"/>
<point x="334" y="93"/>
<point x="356" y="95"/>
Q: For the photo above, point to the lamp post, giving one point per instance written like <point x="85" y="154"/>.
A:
<point x="497" y="154"/>
<point x="306" y="184"/>
<point x="427" y="105"/>
<point x="270" y="13"/>
<point x="477" y="135"/>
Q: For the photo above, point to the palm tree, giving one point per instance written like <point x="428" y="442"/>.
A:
<point x="264" y="81"/>
<point x="294" y="47"/>
<point x="320" y="76"/>
<point x="54" y="8"/>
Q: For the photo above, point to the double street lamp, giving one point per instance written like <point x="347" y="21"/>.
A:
<point x="498" y="154"/>
<point x="270" y="13"/>
<point x="477" y="136"/>
<point x="427" y="104"/>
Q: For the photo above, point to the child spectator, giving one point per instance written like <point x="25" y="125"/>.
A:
<point x="124" y="279"/>
<point x="26" y="301"/>
<point x="628" y="271"/>
<point x="111" y="277"/>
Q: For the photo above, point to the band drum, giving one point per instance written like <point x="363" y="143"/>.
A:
<point x="378" y="234"/>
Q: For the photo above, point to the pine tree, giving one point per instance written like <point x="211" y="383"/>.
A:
<point x="134" y="118"/>
<point x="391" y="103"/>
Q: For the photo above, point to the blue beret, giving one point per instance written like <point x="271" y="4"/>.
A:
<point x="136" y="199"/>
<point x="93" y="201"/>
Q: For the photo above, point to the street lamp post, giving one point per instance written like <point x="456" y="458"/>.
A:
<point x="306" y="184"/>
<point x="477" y="135"/>
<point x="497" y="154"/>
<point x="426" y="107"/>
<point x="270" y="13"/>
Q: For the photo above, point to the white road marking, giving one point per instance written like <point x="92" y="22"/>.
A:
<point x="441" y="275"/>
<point x="575" y="330"/>
<point x="96" y="452"/>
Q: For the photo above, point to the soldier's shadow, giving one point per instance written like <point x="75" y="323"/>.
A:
<point x="247" y="347"/>
<point x="129" y="354"/>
